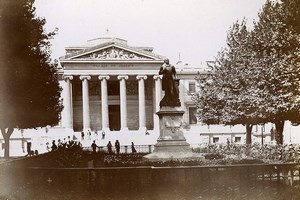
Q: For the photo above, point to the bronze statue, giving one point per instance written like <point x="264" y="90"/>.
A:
<point x="169" y="85"/>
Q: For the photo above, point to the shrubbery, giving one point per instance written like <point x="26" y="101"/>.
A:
<point x="215" y="154"/>
<point x="265" y="153"/>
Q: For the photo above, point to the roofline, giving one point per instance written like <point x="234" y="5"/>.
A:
<point x="108" y="46"/>
<point x="107" y="38"/>
<point x="112" y="61"/>
<point x="115" y="44"/>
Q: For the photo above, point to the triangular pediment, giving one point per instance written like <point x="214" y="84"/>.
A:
<point x="114" y="52"/>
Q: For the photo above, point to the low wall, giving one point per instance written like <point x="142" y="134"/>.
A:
<point x="28" y="181"/>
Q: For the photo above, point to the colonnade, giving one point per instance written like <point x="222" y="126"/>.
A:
<point x="68" y="102"/>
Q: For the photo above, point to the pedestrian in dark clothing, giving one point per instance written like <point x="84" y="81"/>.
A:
<point x="94" y="146"/>
<point x="133" y="150"/>
<point x="117" y="145"/>
<point x="82" y="135"/>
<point x="54" y="146"/>
<point x="28" y="148"/>
<point x="109" y="146"/>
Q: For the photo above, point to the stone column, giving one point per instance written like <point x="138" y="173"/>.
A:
<point x="123" y="102"/>
<point x="85" y="102"/>
<point x="158" y="96"/>
<point x="142" y="108"/>
<point x="104" y="104"/>
<point x="68" y="105"/>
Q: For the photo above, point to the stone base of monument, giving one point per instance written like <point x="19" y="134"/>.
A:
<point x="171" y="143"/>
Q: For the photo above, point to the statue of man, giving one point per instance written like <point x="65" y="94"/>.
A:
<point x="169" y="85"/>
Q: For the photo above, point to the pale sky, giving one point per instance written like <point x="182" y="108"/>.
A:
<point x="195" y="29"/>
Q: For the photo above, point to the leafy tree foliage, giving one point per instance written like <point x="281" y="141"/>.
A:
<point x="277" y="52"/>
<point x="30" y="93"/>
<point x="230" y="91"/>
<point x="256" y="78"/>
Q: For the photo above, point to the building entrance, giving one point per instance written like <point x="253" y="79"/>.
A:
<point x="114" y="117"/>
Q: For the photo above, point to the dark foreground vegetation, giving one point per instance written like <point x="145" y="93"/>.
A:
<point x="75" y="156"/>
<point x="228" y="172"/>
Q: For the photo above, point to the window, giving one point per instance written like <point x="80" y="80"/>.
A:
<point x="237" y="139"/>
<point x="192" y="87"/>
<point x="215" y="139"/>
<point x="192" y="115"/>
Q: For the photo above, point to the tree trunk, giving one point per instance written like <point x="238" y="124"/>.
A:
<point x="279" y="125"/>
<point x="248" y="133"/>
<point x="6" y="135"/>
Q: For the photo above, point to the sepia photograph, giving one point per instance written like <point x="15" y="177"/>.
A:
<point x="149" y="99"/>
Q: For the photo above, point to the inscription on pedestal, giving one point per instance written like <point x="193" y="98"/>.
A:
<point x="171" y="128"/>
<point x="171" y="138"/>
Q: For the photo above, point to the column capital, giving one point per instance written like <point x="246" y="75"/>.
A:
<point x="122" y="77"/>
<point x="101" y="77"/>
<point x="85" y="77"/>
<point x="139" y="77"/>
<point x="68" y="77"/>
<point x="156" y="77"/>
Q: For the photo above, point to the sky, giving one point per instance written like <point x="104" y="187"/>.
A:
<point x="190" y="30"/>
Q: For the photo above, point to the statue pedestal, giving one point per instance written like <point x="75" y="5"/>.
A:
<point x="171" y="143"/>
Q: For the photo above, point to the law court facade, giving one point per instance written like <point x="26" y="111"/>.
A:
<point x="110" y="86"/>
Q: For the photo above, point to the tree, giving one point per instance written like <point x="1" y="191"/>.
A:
<point x="276" y="37"/>
<point x="30" y="92"/>
<point x="257" y="77"/>
<point x="228" y="95"/>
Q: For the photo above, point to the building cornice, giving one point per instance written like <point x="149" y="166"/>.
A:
<point x="112" y="61"/>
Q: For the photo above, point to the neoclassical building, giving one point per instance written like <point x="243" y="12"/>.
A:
<point x="110" y="86"/>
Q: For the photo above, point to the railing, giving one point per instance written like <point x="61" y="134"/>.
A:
<point x="125" y="149"/>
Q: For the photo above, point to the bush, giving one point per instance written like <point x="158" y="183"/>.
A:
<point x="216" y="154"/>
<point x="213" y="156"/>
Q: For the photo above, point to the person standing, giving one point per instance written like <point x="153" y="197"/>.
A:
<point x="82" y="135"/>
<point x="133" y="150"/>
<point x="109" y="146"/>
<point x="54" y="146"/>
<point x="94" y="146"/>
<point x="117" y="145"/>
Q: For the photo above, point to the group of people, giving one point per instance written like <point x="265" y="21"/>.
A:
<point x="110" y="147"/>
<point x="63" y="144"/>
<point x="88" y="134"/>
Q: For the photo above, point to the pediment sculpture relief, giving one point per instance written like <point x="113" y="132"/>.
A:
<point x="114" y="53"/>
